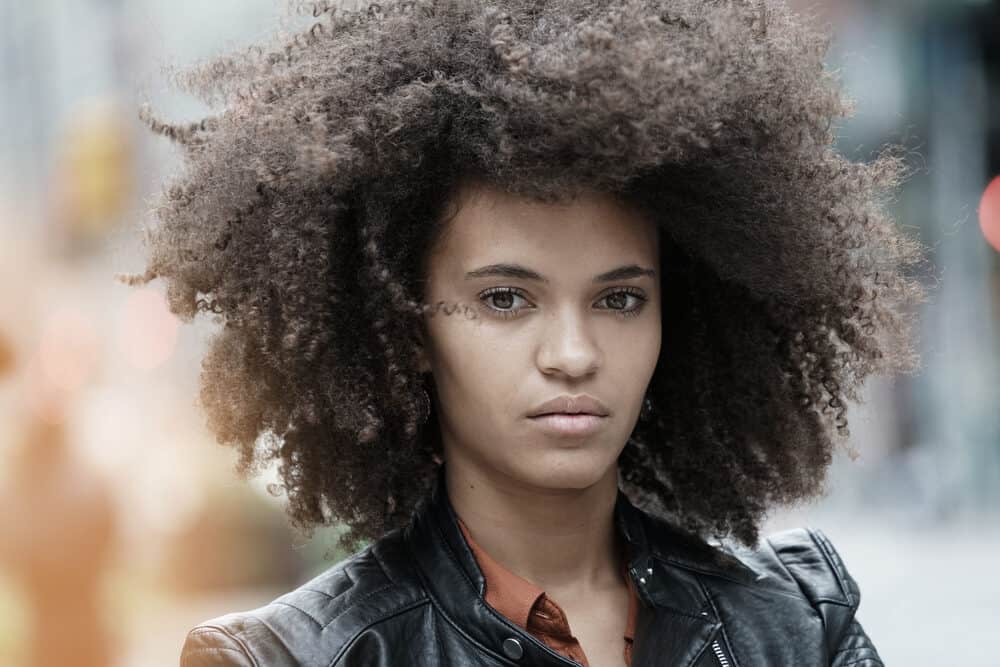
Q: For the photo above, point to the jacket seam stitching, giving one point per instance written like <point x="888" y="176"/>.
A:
<point x="327" y="594"/>
<point x="354" y="603"/>
<point x="346" y="609"/>
<point x="414" y="605"/>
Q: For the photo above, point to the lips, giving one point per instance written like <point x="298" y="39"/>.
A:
<point x="564" y="425"/>
<point x="571" y="405"/>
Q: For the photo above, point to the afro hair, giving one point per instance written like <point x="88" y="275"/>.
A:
<point x="309" y="199"/>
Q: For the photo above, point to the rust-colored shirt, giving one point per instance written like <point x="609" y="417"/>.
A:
<point x="526" y="604"/>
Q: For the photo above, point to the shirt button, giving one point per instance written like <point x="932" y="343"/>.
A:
<point x="512" y="648"/>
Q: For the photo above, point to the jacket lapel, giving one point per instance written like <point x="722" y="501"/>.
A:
<point x="456" y="585"/>
<point x="677" y="622"/>
<point x="667" y="637"/>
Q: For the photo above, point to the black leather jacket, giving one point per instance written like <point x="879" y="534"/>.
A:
<point x="415" y="597"/>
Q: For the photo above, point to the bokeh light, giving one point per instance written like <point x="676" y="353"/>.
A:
<point x="989" y="213"/>
<point x="93" y="168"/>
<point x="149" y="331"/>
<point x="68" y="349"/>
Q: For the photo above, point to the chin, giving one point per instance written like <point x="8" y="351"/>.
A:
<point x="566" y="470"/>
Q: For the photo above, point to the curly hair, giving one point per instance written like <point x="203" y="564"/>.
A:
<point x="307" y="205"/>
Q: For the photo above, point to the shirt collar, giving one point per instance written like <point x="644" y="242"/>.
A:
<point x="515" y="597"/>
<point x="510" y="594"/>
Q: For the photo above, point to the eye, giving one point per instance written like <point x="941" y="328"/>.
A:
<point x="503" y="301"/>
<point x="618" y="301"/>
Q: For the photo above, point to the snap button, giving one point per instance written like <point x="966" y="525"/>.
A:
<point x="512" y="648"/>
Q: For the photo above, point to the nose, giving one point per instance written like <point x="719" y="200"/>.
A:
<point x="567" y="347"/>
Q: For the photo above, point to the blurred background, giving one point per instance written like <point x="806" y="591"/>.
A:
<point x="117" y="501"/>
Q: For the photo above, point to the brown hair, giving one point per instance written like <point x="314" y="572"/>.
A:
<point x="308" y="201"/>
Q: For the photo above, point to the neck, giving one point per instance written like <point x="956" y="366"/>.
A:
<point x="562" y="540"/>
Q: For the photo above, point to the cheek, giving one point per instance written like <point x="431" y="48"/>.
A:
<point x="632" y="360"/>
<point x="472" y="368"/>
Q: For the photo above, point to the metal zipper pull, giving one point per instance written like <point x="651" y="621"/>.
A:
<point x="720" y="655"/>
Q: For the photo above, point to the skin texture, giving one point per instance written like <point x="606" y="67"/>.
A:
<point x="526" y="496"/>
<point x="310" y="199"/>
<point x="566" y="335"/>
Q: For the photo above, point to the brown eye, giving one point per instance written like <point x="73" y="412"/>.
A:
<point x="618" y="301"/>
<point x="501" y="301"/>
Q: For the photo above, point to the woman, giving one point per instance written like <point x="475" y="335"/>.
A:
<point x="544" y="302"/>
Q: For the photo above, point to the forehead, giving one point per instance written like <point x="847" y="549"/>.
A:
<point x="584" y="234"/>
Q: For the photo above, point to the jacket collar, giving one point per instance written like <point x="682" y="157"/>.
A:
<point x="676" y="621"/>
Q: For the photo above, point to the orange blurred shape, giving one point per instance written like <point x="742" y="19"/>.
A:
<point x="68" y="350"/>
<point x="150" y="330"/>
<point x="989" y="213"/>
<point x="6" y="355"/>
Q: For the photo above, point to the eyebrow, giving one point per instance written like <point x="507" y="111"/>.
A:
<point x="505" y="270"/>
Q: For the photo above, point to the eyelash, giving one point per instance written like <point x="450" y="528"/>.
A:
<point x="508" y="314"/>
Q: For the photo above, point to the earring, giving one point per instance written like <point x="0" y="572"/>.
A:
<point x="425" y="413"/>
<point x="647" y="409"/>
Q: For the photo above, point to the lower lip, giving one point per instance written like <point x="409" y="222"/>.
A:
<point x="566" y="424"/>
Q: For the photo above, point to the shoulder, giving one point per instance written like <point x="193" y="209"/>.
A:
<point x="318" y="621"/>
<point x="805" y="558"/>
<point x="803" y="562"/>
<point x="799" y="563"/>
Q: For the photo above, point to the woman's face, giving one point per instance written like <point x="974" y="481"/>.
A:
<point x="568" y="304"/>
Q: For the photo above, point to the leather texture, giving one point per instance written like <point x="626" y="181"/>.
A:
<point x="415" y="597"/>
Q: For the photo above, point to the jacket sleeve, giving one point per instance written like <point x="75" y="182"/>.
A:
<point x="855" y="649"/>
<point x="812" y="560"/>
<point x="214" y="647"/>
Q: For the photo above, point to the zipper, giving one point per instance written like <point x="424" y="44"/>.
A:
<point x="720" y="655"/>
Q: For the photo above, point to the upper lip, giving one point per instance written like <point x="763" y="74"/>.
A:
<point x="582" y="404"/>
